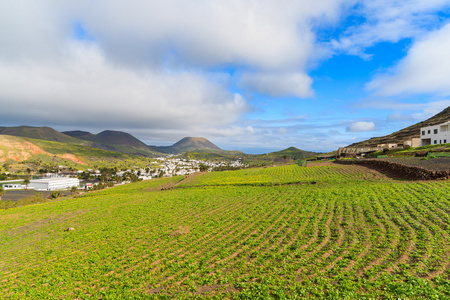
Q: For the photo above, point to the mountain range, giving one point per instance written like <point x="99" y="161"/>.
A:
<point x="110" y="140"/>
<point x="125" y="143"/>
<point x="47" y="146"/>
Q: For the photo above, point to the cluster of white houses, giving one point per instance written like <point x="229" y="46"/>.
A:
<point x="168" y="168"/>
<point x="430" y="135"/>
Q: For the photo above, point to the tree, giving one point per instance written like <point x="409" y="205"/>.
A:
<point x="26" y="182"/>
<point x="73" y="190"/>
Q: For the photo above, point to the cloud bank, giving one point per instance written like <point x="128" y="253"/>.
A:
<point x="166" y="69"/>
<point x="425" y="69"/>
<point x="361" y="126"/>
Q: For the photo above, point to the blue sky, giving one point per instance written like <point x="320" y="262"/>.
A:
<point x="255" y="76"/>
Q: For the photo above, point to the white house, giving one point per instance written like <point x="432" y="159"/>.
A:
<point x="436" y="134"/>
<point x="53" y="184"/>
<point x="13" y="186"/>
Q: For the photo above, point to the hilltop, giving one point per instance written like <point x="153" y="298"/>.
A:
<point x="293" y="153"/>
<point x="19" y="153"/>
<point x="83" y="143"/>
<point x="108" y="137"/>
<point x="187" y="144"/>
<point x="40" y="133"/>
<point x="407" y="133"/>
<point x="253" y="160"/>
<point x="114" y="141"/>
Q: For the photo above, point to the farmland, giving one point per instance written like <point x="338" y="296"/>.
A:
<point x="437" y="164"/>
<point x="325" y="232"/>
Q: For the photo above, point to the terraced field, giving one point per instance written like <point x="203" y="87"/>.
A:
<point x="354" y="234"/>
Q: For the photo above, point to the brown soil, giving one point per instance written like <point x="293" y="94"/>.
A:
<point x="19" y="150"/>
<point x="72" y="158"/>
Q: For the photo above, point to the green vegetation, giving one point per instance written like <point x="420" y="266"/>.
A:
<point x="412" y="151"/>
<point x="35" y="199"/>
<point x="212" y="155"/>
<point x="253" y="160"/>
<point x="248" y="234"/>
<point x="290" y="174"/>
<point x="88" y="156"/>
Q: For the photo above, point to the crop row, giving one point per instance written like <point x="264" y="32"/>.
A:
<point x="350" y="240"/>
<point x="290" y="174"/>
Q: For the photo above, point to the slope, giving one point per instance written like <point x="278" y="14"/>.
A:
<point x="114" y="141"/>
<point x="188" y="144"/>
<point x="17" y="149"/>
<point x="293" y="153"/>
<point x="41" y="133"/>
<point x="407" y="133"/>
<point x="83" y="135"/>
<point x="251" y="239"/>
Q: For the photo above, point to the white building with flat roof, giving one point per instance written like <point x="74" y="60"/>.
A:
<point x="13" y="186"/>
<point x="436" y="134"/>
<point x="52" y="184"/>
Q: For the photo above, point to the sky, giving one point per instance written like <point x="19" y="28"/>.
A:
<point x="249" y="75"/>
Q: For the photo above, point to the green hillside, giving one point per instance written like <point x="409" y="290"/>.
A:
<point x="89" y="155"/>
<point x="321" y="232"/>
<point x="293" y="153"/>
<point x="253" y="160"/>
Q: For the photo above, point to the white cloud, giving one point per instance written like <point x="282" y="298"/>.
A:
<point x="81" y="87"/>
<point x="361" y="126"/>
<point x="278" y="84"/>
<point x="266" y="36"/>
<point x="388" y="21"/>
<point x="153" y="67"/>
<point x="419" y="112"/>
<point x="426" y="68"/>
<point x="401" y="117"/>
<point x="259" y="33"/>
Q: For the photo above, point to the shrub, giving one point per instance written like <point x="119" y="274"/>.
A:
<point x="27" y="201"/>
<point x="55" y="194"/>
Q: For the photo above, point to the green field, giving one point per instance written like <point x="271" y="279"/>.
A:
<point x="248" y="234"/>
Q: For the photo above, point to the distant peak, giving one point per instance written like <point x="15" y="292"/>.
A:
<point x="194" y="143"/>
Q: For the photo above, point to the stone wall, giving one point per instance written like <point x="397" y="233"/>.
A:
<point x="398" y="169"/>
